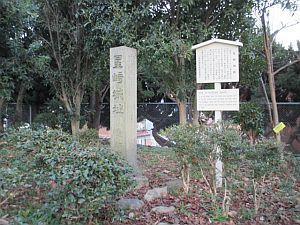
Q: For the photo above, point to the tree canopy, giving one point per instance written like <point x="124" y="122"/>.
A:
<point x="62" y="47"/>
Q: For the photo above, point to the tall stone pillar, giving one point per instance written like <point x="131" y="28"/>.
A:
<point x="123" y="102"/>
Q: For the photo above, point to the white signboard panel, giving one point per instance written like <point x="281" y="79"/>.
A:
<point x="218" y="100"/>
<point x="217" y="62"/>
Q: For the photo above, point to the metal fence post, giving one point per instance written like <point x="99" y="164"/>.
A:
<point x="30" y="115"/>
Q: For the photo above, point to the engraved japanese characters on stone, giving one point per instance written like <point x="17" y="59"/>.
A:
<point x="118" y="61"/>
<point x="118" y="76"/>
<point x="118" y="108"/>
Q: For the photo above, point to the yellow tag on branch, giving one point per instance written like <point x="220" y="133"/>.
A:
<point x="279" y="127"/>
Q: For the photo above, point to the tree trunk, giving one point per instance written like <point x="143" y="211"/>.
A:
<point x="100" y="95"/>
<point x="182" y="111"/>
<point x="73" y="110"/>
<point x="252" y="136"/>
<point x="19" y="105"/>
<point x="270" y="70"/>
<point x="96" y="105"/>
<point x="195" y="112"/>
<point x="267" y="100"/>
<point x="97" y="110"/>
<point x="91" y="115"/>
<point x="1" y="126"/>
<point x="185" y="175"/>
<point x="160" y="140"/>
<point x="75" y="122"/>
<point x="97" y="115"/>
<point x="274" y="103"/>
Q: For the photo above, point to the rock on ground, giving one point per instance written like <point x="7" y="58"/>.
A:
<point x="3" y="222"/>
<point x="167" y="224"/>
<point x="141" y="181"/>
<point x="174" y="184"/>
<point x="163" y="209"/>
<point x="156" y="193"/>
<point x="130" y="203"/>
<point x="232" y="214"/>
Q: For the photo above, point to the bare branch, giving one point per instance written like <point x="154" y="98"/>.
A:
<point x="55" y="54"/>
<point x="285" y="66"/>
<point x="104" y="91"/>
<point x="267" y="99"/>
<point x="58" y="38"/>
<point x="206" y="181"/>
<point x="44" y="39"/>
<point x="208" y="23"/>
<point x="281" y="28"/>
<point x="4" y="201"/>
<point x="64" y="98"/>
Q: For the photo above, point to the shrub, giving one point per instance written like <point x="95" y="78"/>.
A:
<point x="80" y="181"/>
<point x="89" y="137"/>
<point x="84" y="180"/>
<point x="53" y="115"/>
<point x="264" y="157"/>
<point x="196" y="145"/>
<point x="53" y="120"/>
<point x="251" y="119"/>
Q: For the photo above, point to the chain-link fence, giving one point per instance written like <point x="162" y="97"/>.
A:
<point x="289" y="114"/>
<point x="162" y="115"/>
<point x="9" y="114"/>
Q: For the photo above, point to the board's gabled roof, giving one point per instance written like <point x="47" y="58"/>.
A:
<point x="222" y="41"/>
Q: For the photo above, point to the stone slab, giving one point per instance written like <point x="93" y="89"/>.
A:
<point x="123" y="102"/>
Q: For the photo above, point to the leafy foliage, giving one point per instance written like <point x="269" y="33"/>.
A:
<point x="53" y="115"/>
<point x="79" y="181"/>
<point x="196" y="146"/>
<point x="251" y="119"/>
<point x="202" y="146"/>
<point x="197" y="143"/>
<point x="287" y="82"/>
<point x="89" y="137"/>
<point x="252" y="63"/>
<point x="21" y="57"/>
<point x="265" y="157"/>
<point x="6" y="83"/>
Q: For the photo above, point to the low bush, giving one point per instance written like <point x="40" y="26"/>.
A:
<point x="53" y="115"/>
<point x="264" y="158"/>
<point x="90" y="137"/>
<point x="52" y="120"/>
<point x="195" y="146"/>
<point x="79" y="181"/>
<point x="83" y="180"/>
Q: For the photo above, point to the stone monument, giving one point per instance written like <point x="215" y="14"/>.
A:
<point x="123" y="102"/>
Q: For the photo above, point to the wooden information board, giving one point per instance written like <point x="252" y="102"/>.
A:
<point x="222" y="100"/>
